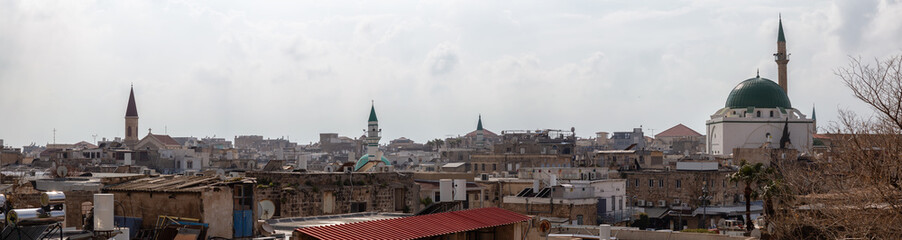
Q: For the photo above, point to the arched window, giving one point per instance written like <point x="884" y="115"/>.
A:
<point x="758" y="113"/>
<point x="771" y="113"/>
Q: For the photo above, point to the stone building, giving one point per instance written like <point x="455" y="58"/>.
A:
<point x="297" y="194"/>
<point x="625" y="160"/>
<point x="679" y="139"/>
<point x="500" y="164"/>
<point x="673" y="195"/>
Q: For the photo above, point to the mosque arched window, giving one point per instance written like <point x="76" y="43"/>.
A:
<point x="758" y="113"/>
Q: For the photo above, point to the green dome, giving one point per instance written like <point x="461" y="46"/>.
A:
<point x="759" y="93"/>
<point x="366" y="158"/>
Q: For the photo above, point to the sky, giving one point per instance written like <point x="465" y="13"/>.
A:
<point x="295" y="69"/>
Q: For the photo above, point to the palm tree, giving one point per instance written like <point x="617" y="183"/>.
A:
<point x="752" y="175"/>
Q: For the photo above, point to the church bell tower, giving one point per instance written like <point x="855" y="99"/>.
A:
<point x="131" y="120"/>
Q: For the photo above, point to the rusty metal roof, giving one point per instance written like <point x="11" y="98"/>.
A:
<point x="168" y="183"/>
<point x="418" y="226"/>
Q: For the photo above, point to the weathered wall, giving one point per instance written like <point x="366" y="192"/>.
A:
<point x="720" y="189"/>
<point x="559" y="210"/>
<point x="217" y="211"/>
<point x="150" y="205"/>
<point x="302" y="194"/>
<point x="74" y="201"/>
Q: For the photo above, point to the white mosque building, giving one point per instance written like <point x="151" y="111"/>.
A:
<point x="758" y="114"/>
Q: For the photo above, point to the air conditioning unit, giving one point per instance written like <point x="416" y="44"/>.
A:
<point x="650" y="204"/>
<point x="641" y="203"/>
<point x="676" y="201"/>
<point x="348" y="169"/>
<point x="684" y="204"/>
<point x="484" y="177"/>
<point x="662" y="203"/>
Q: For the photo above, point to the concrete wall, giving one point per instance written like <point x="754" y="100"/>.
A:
<point x="218" y="212"/>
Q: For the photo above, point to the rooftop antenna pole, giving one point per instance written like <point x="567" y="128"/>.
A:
<point x="95" y="138"/>
<point x="54" y="135"/>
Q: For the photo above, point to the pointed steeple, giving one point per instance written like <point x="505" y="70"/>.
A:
<point x="373" y="113"/>
<point x="479" y="125"/>
<point x="813" y="113"/>
<point x="131" y="110"/>
<point x="780" y="36"/>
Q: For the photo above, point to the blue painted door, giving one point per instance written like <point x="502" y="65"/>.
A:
<point x="243" y="223"/>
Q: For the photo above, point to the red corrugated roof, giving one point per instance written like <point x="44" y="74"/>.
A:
<point x="418" y="226"/>
<point x="679" y="130"/>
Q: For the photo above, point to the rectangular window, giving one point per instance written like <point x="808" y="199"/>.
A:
<point x="679" y="183"/>
<point x="661" y="183"/>
<point x="651" y="182"/>
<point x="637" y="182"/>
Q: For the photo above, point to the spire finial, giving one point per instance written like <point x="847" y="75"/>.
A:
<point x="758" y="73"/>
<point x="780" y="36"/>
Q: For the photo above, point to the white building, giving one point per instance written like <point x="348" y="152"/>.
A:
<point x="754" y="116"/>
<point x="758" y="114"/>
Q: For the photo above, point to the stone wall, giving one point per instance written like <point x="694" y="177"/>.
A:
<point x="308" y="194"/>
<point x="490" y="163"/>
<point x="687" y="186"/>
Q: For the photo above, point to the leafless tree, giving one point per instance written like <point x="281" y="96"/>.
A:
<point x="853" y="189"/>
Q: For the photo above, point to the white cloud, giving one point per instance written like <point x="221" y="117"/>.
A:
<point x="297" y="69"/>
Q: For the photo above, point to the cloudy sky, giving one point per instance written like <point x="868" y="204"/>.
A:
<point x="299" y="68"/>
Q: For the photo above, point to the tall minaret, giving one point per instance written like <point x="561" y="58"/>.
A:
<point x="131" y="120"/>
<point x="373" y="135"/>
<point x="781" y="58"/>
<point x="480" y="134"/>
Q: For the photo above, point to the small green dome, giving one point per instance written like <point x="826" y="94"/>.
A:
<point x="759" y="93"/>
<point x="366" y="158"/>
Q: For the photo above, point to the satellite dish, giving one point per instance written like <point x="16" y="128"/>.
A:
<point x="266" y="208"/>
<point x="62" y="171"/>
<point x="329" y="168"/>
<point x="268" y="230"/>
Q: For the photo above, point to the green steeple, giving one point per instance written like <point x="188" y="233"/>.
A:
<point x="373" y="114"/>
<point x="780" y="37"/>
<point x="813" y="114"/>
<point x="479" y="125"/>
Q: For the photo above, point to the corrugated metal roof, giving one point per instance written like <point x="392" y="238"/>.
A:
<point x="170" y="183"/>
<point x="418" y="226"/>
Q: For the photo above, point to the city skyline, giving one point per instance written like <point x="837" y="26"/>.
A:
<point x="230" y="69"/>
